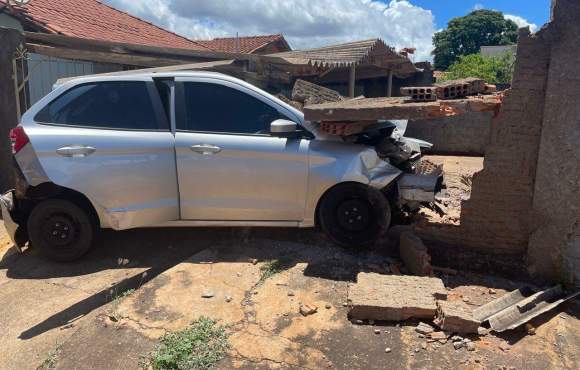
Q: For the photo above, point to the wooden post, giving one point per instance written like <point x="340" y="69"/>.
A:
<point x="390" y="84"/>
<point x="351" y="81"/>
<point x="9" y="41"/>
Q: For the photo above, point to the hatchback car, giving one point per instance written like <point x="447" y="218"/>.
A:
<point x="195" y="149"/>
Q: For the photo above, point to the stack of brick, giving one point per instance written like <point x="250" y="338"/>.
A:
<point x="454" y="89"/>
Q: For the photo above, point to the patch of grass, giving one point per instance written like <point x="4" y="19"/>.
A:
<point x="50" y="360"/>
<point x="201" y="346"/>
<point x="271" y="268"/>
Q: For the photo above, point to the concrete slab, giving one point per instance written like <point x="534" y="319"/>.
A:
<point x="394" y="298"/>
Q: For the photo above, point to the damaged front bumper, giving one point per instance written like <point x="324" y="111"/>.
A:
<point x="12" y="228"/>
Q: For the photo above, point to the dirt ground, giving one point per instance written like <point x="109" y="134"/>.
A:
<point x="76" y="316"/>
<point x="458" y="175"/>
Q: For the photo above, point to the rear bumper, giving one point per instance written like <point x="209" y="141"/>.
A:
<point x="12" y="228"/>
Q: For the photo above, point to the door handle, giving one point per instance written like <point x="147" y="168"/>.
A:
<point x="206" y="149"/>
<point x="75" y="151"/>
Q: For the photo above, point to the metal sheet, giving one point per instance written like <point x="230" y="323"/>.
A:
<point x="515" y="308"/>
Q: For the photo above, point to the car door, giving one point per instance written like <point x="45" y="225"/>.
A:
<point x="111" y="141"/>
<point x="229" y="166"/>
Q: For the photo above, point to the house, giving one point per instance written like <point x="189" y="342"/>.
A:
<point x="85" y="19"/>
<point x="265" y="44"/>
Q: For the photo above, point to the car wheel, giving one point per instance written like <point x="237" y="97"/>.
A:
<point x="354" y="215"/>
<point x="61" y="230"/>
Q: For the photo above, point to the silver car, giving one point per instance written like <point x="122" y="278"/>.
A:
<point x="198" y="149"/>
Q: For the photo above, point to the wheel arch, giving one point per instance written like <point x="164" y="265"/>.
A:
<point x="50" y="190"/>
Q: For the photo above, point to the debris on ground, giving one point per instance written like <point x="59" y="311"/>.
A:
<point x="308" y="309"/>
<point x="308" y="93"/>
<point x="456" y="317"/>
<point x="520" y="306"/>
<point x="394" y="298"/>
<point x="415" y="255"/>
<point x="207" y="294"/>
<point x="423" y="328"/>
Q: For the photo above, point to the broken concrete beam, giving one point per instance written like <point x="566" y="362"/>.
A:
<point x="308" y="93"/>
<point x="415" y="255"/>
<point x="456" y="317"/>
<point x="426" y="93"/>
<point x="374" y="109"/>
<point x="394" y="298"/>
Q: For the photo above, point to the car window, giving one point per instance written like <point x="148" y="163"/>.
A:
<point x="116" y="104"/>
<point x="216" y="108"/>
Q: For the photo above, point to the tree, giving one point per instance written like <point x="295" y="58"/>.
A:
<point x="466" y="35"/>
<point x="495" y="70"/>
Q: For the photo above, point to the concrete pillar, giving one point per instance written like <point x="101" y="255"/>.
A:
<point x="390" y="84"/>
<point x="351" y="81"/>
<point x="9" y="41"/>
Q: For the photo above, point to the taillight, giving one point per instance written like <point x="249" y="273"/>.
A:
<point x="18" y="139"/>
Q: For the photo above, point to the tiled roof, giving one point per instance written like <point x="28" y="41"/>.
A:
<point x="247" y="44"/>
<point x="91" y="19"/>
<point x="351" y="54"/>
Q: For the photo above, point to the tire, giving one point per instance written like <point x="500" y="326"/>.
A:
<point x="354" y="215"/>
<point x="61" y="230"/>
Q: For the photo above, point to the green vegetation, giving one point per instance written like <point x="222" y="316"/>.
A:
<point x="271" y="268"/>
<point x="494" y="70"/>
<point x="50" y="360"/>
<point x="201" y="346"/>
<point x="466" y="35"/>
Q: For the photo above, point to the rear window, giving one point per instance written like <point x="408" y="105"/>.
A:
<point x="113" y="104"/>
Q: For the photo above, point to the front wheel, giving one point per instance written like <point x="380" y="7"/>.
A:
<point x="61" y="230"/>
<point x="354" y="215"/>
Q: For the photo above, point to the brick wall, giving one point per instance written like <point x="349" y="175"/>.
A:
<point x="498" y="212"/>
<point x="554" y="249"/>
<point x="467" y="134"/>
<point x="526" y="200"/>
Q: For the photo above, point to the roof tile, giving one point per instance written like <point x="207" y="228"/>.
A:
<point x="94" y="20"/>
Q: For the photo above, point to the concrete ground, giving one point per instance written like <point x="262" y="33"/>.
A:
<point x="63" y="314"/>
<point x="77" y="316"/>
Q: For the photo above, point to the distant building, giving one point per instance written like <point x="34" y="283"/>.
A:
<point x="264" y="44"/>
<point x="498" y="51"/>
<point x="94" y="20"/>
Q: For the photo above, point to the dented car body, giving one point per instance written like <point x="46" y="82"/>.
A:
<point x="195" y="149"/>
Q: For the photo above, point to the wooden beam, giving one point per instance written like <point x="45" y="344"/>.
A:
<point x="351" y="81"/>
<point x="104" y="57"/>
<point x="390" y="84"/>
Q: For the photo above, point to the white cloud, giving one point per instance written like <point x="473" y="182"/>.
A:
<point x="521" y="22"/>
<point x="478" y="6"/>
<point x="305" y="23"/>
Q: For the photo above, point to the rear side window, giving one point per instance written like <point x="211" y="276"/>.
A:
<point x="115" y="105"/>
<point x="216" y="108"/>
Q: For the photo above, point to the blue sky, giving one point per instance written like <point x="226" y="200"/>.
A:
<point x="535" y="11"/>
<point x="312" y="23"/>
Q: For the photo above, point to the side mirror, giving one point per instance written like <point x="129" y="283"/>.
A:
<point x="283" y="128"/>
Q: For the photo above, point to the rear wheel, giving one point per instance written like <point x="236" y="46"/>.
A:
<point x="61" y="230"/>
<point x="354" y="215"/>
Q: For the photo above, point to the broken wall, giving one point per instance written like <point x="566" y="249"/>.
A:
<point x="554" y="248"/>
<point x="526" y="200"/>
<point x="497" y="216"/>
<point x="466" y="134"/>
